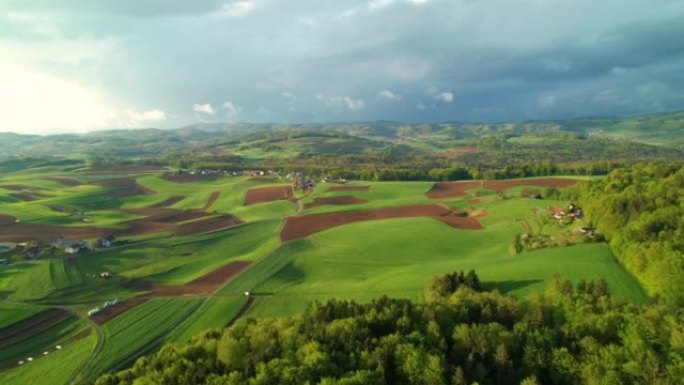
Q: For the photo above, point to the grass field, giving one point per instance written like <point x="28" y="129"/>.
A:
<point x="11" y="313"/>
<point x="136" y="329"/>
<point x="214" y="313"/>
<point x="396" y="257"/>
<point x="36" y="344"/>
<point x="54" y="369"/>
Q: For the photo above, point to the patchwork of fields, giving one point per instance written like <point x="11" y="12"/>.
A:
<point x="187" y="248"/>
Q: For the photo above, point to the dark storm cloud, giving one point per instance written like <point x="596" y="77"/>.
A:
<point x="433" y="60"/>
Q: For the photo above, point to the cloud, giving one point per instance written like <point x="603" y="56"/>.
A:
<point x="289" y="95"/>
<point x="446" y="97"/>
<point x="237" y="8"/>
<point x="152" y="116"/>
<point x="231" y="110"/>
<point x="547" y="101"/>
<point x="204" y="108"/>
<point x="388" y="95"/>
<point x="342" y="101"/>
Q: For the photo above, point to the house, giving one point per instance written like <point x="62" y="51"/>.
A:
<point x="93" y="311"/>
<point x="32" y="251"/>
<point x="107" y="241"/>
<point x="75" y="247"/>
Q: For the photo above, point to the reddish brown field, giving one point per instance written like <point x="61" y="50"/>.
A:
<point x="203" y="285"/>
<point x="170" y="201"/>
<point x="212" y="199"/>
<point x="268" y="194"/>
<point x="458" y="151"/>
<point x="341" y="200"/>
<point x="7" y="220"/>
<point x="206" y="225"/>
<point x="459" y="189"/>
<point x="66" y="181"/>
<point x="183" y="216"/>
<point x="113" y="311"/>
<point x="348" y="188"/>
<point x="298" y="227"/>
<point x="31" y="326"/>
<point x="124" y="187"/>
<point x="27" y="196"/>
<point x="32" y="231"/>
<point x="14" y="187"/>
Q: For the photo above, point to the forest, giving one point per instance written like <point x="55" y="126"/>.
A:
<point x="567" y="335"/>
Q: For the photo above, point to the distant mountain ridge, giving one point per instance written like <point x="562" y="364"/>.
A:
<point x="661" y="129"/>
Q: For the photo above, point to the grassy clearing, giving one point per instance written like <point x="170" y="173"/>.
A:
<point x="126" y="335"/>
<point x="214" y="313"/>
<point x="54" y="369"/>
<point x="396" y="257"/>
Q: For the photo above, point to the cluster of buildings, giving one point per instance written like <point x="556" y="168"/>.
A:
<point x="225" y="172"/>
<point x="36" y="249"/>
<point x="572" y="211"/>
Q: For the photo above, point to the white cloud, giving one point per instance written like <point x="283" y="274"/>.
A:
<point x="420" y="106"/>
<point x="342" y="101"/>
<point x="204" y="108"/>
<point x="289" y="95"/>
<point x="379" y="4"/>
<point x="231" y="110"/>
<point x="152" y="116"/>
<point x="389" y="95"/>
<point x="237" y="8"/>
<point x="445" y="96"/>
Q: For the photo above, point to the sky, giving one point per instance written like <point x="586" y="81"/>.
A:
<point x="84" y="65"/>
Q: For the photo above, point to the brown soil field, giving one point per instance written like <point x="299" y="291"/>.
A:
<point x="113" y="311"/>
<point x="298" y="227"/>
<point x="20" y="232"/>
<point x="7" y="220"/>
<point x="32" y="326"/>
<point x="458" y="151"/>
<point x="340" y="200"/>
<point x="203" y="285"/>
<point x="206" y="225"/>
<point x="183" y="216"/>
<point x="268" y="194"/>
<point x="59" y="208"/>
<point x="473" y="201"/>
<point x="170" y="201"/>
<point x="66" y="181"/>
<point x="348" y="188"/>
<point x="459" y="189"/>
<point x="14" y="187"/>
<point x="212" y="199"/>
<point x="29" y="196"/>
<point x="186" y="178"/>
<point x="124" y="187"/>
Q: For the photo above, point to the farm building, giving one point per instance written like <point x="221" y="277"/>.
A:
<point x="107" y="241"/>
<point x="75" y="247"/>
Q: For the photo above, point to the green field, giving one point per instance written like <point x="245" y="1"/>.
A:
<point x="54" y="369"/>
<point x="360" y="261"/>
<point x="134" y="331"/>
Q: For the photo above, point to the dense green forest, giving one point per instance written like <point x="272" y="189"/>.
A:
<point x="640" y="210"/>
<point x="565" y="336"/>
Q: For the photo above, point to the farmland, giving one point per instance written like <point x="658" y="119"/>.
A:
<point x="188" y="247"/>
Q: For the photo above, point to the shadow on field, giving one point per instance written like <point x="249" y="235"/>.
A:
<point x="509" y="285"/>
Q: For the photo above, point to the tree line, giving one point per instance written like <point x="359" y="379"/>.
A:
<point x="567" y="335"/>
